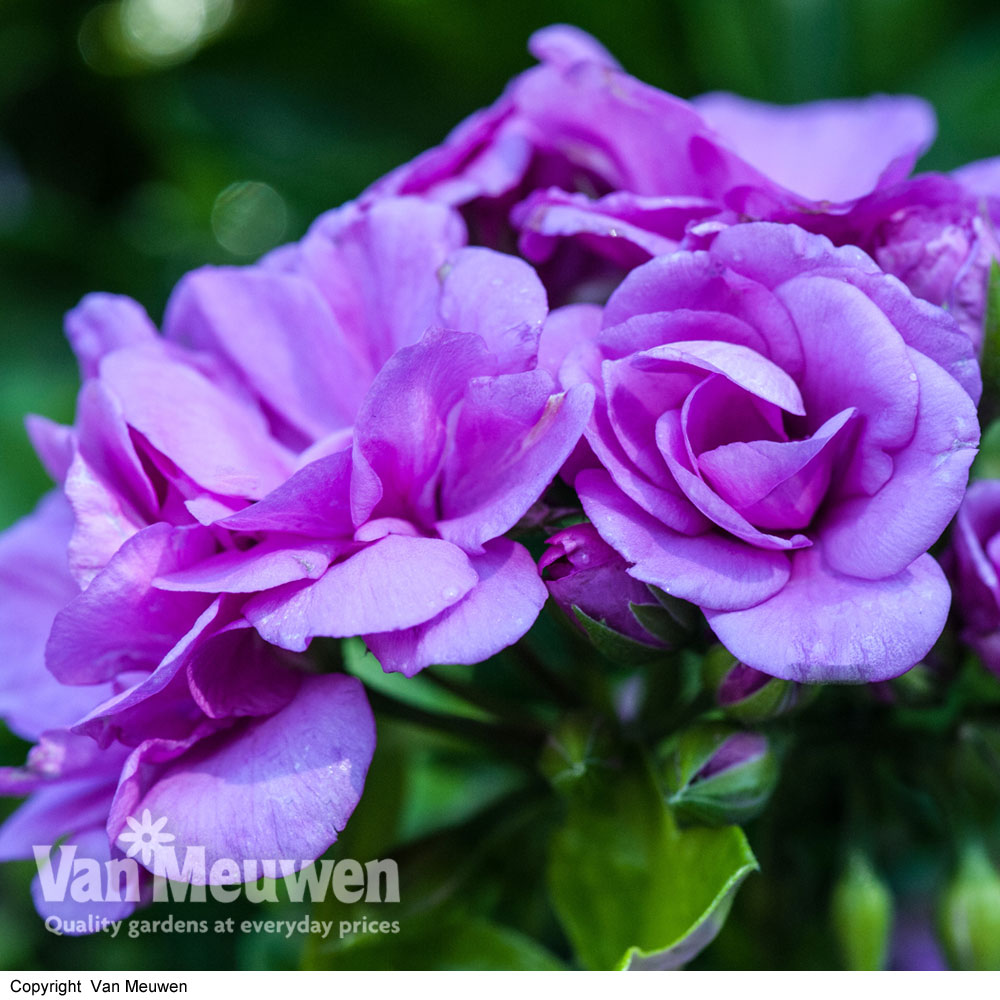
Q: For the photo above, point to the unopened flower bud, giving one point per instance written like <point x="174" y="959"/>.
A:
<point x="716" y="775"/>
<point x="576" y="751"/>
<point x="746" y="694"/>
<point x="588" y="580"/>
<point x="970" y="913"/>
<point x="862" y="915"/>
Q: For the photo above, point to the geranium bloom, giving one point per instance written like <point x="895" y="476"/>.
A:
<point x="316" y="732"/>
<point x="577" y="147"/>
<point x="333" y="442"/>
<point x="595" y="172"/>
<point x="783" y="432"/>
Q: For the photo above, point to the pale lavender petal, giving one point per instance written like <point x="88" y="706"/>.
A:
<point x="884" y="389"/>
<point x="396" y="582"/>
<point x="314" y="502"/>
<point x="222" y="443"/>
<point x="511" y="438"/>
<point x="103" y="521"/>
<point x="63" y="808"/>
<point x="35" y="583"/>
<point x="670" y="438"/>
<point x="773" y="254"/>
<point x="53" y="443"/>
<point x="267" y="565"/>
<point x="157" y="703"/>
<point x="879" y="536"/>
<point x="827" y="150"/>
<point x="776" y="484"/>
<point x="664" y="500"/>
<point x="623" y="227"/>
<point x="695" y="282"/>
<point x="483" y="156"/>
<point x="824" y="627"/>
<point x="402" y="428"/>
<point x="608" y="124"/>
<point x="978" y="586"/>
<point x="380" y="270"/>
<point x="564" y="330"/>
<point x="497" y="297"/>
<point x="120" y="622"/>
<point x="709" y="570"/>
<point x="105" y="443"/>
<point x="637" y="395"/>
<point x="981" y="177"/>
<point x="279" y="333"/>
<point x="115" y="903"/>
<point x="102" y="323"/>
<point x="282" y="787"/>
<point x="741" y="365"/>
<point x="562" y="45"/>
<point x="235" y="673"/>
<point x="493" y="615"/>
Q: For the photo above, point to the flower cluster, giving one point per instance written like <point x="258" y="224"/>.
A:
<point x="745" y="337"/>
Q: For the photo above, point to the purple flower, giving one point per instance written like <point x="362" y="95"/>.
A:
<point x="215" y="786"/>
<point x="933" y="233"/>
<point x="333" y="442"/>
<point x="577" y="148"/>
<point x="975" y="551"/>
<point x="783" y="431"/>
<point x="580" y="123"/>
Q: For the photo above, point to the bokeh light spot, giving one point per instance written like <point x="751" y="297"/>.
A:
<point x="248" y="218"/>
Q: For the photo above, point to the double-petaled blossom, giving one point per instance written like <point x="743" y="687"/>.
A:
<point x="594" y="172"/>
<point x="782" y="431"/>
<point x="576" y="147"/>
<point x="331" y="443"/>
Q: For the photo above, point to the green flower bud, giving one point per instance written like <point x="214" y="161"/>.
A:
<point x="716" y="774"/>
<point x="575" y="753"/>
<point x="970" y="913"/>
<point x="862" y="915"/>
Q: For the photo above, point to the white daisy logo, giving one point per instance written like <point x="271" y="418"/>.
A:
<point x="146" y="837"/>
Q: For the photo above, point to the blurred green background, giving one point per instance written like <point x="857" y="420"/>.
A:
<point x="141" y="138"/>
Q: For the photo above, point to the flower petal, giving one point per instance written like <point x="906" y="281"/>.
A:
<point x="279" y="334"/>
<point x="881" y="535"/>
<point x="709" y="570"/>
<point x="220" y="441"/>
<point x="396" y="582"/>
<point x="825" y="150"/>
<point x="824" y="627"/>
<point x="282" y="787"/>
<point x="493" y="615"/>
<point x="511" y="438"/>
<point x="120" y="622"/>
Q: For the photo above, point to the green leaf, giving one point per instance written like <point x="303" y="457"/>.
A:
<point x="418" y="691"/>
<point x="990" y="361"/>
<point x="616" y="647"/>
<point x="442" y="939"/>
<point x="629" y="886"/>
<point x="659" y="622"/>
